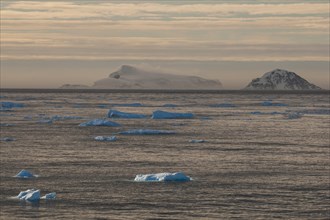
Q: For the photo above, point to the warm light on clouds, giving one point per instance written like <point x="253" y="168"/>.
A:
<point x="273" y="30"/>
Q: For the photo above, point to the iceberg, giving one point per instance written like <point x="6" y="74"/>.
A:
<point x="146" y="132"/>
<point x="265" y="113"/>
<point x="105" y="138"/>
<point x="49" y="196"/>
<point x="136" y="104"/>
<point x="7" y="139"/>
<point x="197" y="141"/>
<point x="45" y="121"/>
<point x="316" y="111"/>
<point x="6" y="125"/>
<point x="169" y="106"/>
<point x="30" y="195"/>
<point x="162" y="177"/>
<point x="99" y="122"/>
<point x="223" y="105"/>
<point x="25" y="174"/>
<point x="9" y="105"/>
<point x="171" y="115"/>
<point x="119" y="114"/>
<point x="269" y="103"/>
<point x="293" y="115"/>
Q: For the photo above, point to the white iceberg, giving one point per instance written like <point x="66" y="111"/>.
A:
<point x="25" y="174"/>
<point x="146" y="132"/>
<point x="119" y="114"/>
<point x="105" y="138"/>
<point x="162" y="177"/>
<point x="100" y="122"/>
<point x="49" y="196"/>
<point x="171" y="115"/>
<point x="30" y="195"/>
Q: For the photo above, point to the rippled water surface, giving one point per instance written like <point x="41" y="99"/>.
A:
<point x="255" y="163"/>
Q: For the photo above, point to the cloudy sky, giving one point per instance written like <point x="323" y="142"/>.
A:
<point x="81" y="41"/>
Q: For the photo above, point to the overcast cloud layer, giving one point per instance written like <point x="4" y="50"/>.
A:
<point x="155" y="31"/>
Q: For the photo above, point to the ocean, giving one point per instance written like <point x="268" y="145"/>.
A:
<point x="265" y="155"/>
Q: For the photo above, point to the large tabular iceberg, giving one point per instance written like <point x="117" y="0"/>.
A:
<point x="100" y="122"/>
<point x="146" y="132"/>
<point x="171" y="115"/>
<point x="162" y="177"/>
<point x="25" y="174"/>
<point x="30" y="195"/>
<point x="119" y="114"/>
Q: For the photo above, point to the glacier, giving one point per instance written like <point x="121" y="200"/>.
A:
<point x="171" y="115"/>
<point x="162" y="177"/>
<point x="119" y="114"/>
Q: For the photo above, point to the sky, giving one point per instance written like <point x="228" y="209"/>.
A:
<point x="45" y="44"/>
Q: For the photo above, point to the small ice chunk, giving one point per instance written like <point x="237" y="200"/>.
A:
<point x="197" y="141"/>
<point x="6" y="125"/>
<point x="269" y="103"/>
<point x="293" y="115"/>
<point x="146" y="132"/>
<point x="100" y="122"/>
<point x="29" y="195"/>
<point x="119" y="114"/>
<point x="171" y="115"/>
<point x="316" y="111"/>
<point x="8" y="105"/>
<point x="169" y="105"/>
<point x="223" y="105"/>
<point x="136" y="104"/>
<point x="25" y="174"/>
<point x="162" y="177"/>
<point x="105" y="138"/>
<point x="7" y="139"/>
<point x="45" y="121"/>
<point x="49" y="196"/>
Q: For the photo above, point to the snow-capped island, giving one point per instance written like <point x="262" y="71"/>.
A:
<point x="280" y="79"/>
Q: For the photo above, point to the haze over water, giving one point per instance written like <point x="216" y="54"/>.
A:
<point x="252" y="165"/>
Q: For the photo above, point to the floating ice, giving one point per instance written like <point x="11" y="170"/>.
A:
<point x="316" y="111"/>
<point x="45" y="121"/>
<point x="162" y="177"/>
<point x="223" y="105"/>
<point x="265" y="113"/>
<point x="102" y="106"/>
<point x="293" y="115"/>
<point x="6" y="125"/>
<point x="30" y="195"/>
<point x="58" y="117"/>
<point x="119" y="114"/>
<point x="269" y="103"/>
<point x="129" y="105"/>
<point x="197" y="141"/>
<point x="171" y="115"/>
<point x="100" y="122"/>
<point x="25" y="174"/>
<point x="169" y="105"/>
<point x="49" y="196"/>
<point x="7" y="139"/>
<point x="8" y="105"/>
<point x="105" y="138"/>
<point x="146" y="132"/>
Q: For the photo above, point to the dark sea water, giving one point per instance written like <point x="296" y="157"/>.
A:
<point x="251" y="166"/>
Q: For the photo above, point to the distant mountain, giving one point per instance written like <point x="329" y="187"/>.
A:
<point x="129" y="77"/>
<point x="280" y="79"/>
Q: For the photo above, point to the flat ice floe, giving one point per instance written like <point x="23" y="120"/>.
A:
<point x="9" y="105"/>
<point x="119" y="114"/>
<point x="269" y="103"/>
<point x="105" y="138"/>
<point x="146" y="132"/>
<point x="171" y="115"/>
<point x="100" y="122"/>
<point x="25" y="174"/>
<point x="197" y="141"/>
<point x="162" y="177"/>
